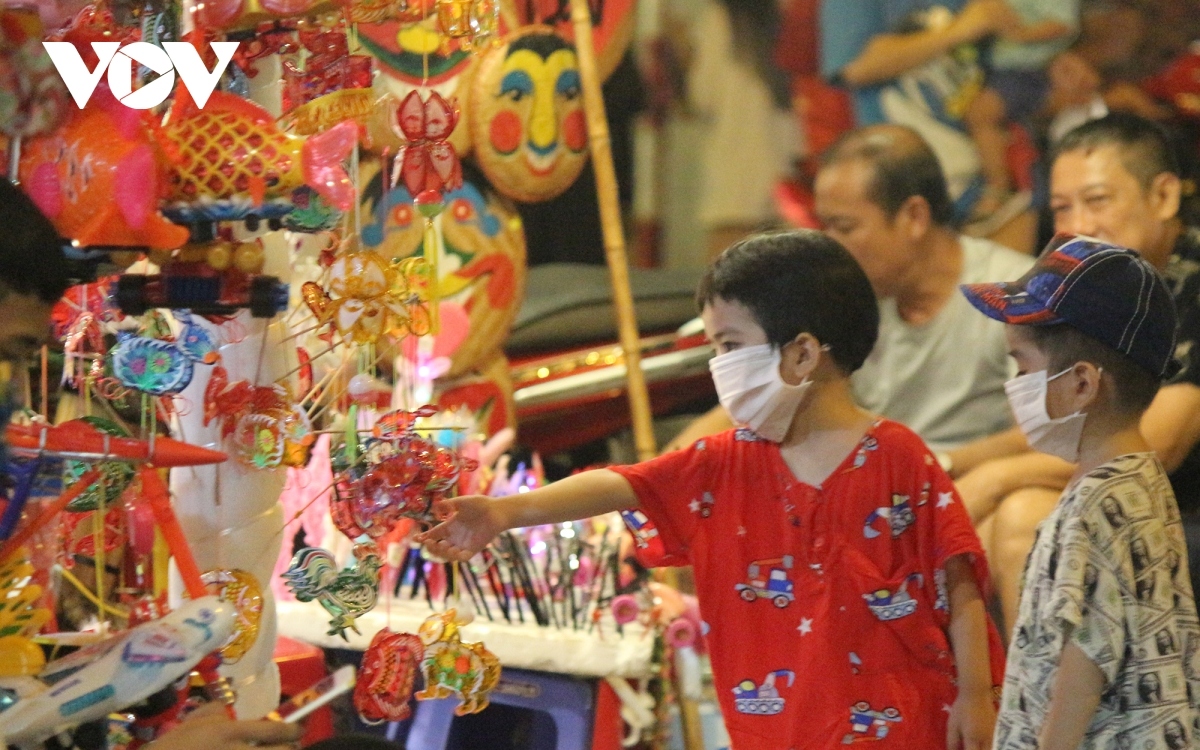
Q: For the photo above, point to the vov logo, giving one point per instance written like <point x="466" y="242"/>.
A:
<point x="118" y="61"/>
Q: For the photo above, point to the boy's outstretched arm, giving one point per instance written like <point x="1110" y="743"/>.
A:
<point x="973" y="715"/>
<point x="1073" y="700"/>
<point x="473" y="521"/>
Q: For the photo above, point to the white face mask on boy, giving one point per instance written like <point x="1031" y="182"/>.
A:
<point x="1027" y="398"/>
<point x="752" y="391"/>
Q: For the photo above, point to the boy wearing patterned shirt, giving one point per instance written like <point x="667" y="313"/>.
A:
<point x="835" y="566"/>
<point x="1104" y="649"/>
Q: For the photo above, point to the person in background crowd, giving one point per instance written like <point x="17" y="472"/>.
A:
<point x="1017" y="89"/>
<point x="752" y="137"/>
<point x="935" y="368"/>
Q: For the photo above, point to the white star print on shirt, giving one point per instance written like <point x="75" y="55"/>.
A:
<point x="806" y="624"/>
<point x="945" y="499"/>
<point x="694" y="506"/>
<point x="741" y="531"/>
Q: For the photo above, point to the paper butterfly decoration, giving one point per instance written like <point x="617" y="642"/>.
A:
<point x="369" y="297"/>
<point x="426" y="161"/>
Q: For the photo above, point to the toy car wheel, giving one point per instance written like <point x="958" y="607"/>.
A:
<point x="891" y="713"/>
<point x="252" y="222"/>
<point x="782" y="601"/>
<point x="264" y="296"/>
<point x="748" y="594"/>
<point x="862" y="706"/>
<point x="275" y="224"/>
<point x="131" y="294"/>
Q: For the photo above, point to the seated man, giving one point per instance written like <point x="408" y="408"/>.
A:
<point x="935" y="367"/>
<point x="1116" y="179"/>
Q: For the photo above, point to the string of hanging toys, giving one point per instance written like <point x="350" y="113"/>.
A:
<point x="292" y="267"/>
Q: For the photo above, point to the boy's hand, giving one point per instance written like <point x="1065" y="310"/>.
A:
<point x="972" y="721"/>
<point x="468" y="524"/>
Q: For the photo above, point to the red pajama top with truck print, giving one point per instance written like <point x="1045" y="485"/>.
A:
<point x="826" y="607"/>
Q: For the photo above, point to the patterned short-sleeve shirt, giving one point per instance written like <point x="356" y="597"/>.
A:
<point x="827" y="606"/>
<point x="1109" y="574"/>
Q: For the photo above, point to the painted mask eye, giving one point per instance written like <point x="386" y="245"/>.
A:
<point x="516" y="85"/>
<point x="568" y="84"/>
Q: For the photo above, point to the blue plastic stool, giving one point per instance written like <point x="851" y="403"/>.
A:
<point x="568" y="701"/>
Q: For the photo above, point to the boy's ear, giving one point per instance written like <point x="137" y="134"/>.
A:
<point x="800" y="357"/>
<point x="1086" y="378"/>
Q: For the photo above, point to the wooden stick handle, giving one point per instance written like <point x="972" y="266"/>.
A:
<point x="614" y="232"/>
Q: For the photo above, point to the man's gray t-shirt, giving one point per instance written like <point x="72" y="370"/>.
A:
<point x="945" y="379"/>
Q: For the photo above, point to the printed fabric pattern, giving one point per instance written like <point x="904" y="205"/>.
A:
<point x="826" y="607"/>
<point x="1108" y="574"/>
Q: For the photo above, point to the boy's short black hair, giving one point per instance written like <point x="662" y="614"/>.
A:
<point x="31" y="250"/>
<point x="1065" y="345"/>
<point x="797" y="282"/>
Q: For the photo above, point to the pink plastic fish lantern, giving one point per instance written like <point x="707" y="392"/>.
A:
<point x="100" y="178"/>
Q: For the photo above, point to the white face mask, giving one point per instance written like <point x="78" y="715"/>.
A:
<point x="1027" y="398"/>
<point x="752" y="391"/>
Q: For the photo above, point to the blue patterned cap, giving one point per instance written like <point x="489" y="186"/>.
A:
<point x="1110" y="293"/>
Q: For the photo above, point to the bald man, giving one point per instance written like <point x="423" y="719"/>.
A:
<point x="936" y="367"/>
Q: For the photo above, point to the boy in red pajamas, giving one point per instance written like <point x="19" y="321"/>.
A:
<point x="835" y="565"/>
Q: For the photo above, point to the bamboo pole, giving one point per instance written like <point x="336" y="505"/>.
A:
<point x="614" y="232"/>
<point x="618" y="268"/>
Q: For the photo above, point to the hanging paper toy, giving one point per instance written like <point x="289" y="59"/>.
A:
<point x="160" y="367"/>
<point x="368" y="297"/>
<point x="407" y="475"/>
<point x="267" y="427"/>
<point x="33" y="99"/>
<point x="240" y="589"/>
<point x="100" y="178"/>
<point x="150" y="365"/>
<point x="427" y="161"/>
<point x="344" y="594"/>
<point x="451" y="667"/>
<point x="328" y="67"/>
<point x="387" y="676"/>
<point x="527" y="121"/>
<point x="20" y="618"/>
<point x="471" y="21"/>
<point x="233" y="162"/>
<point x="234" y="15"/>
<point x="82" y="541"/>
<point x="115" y="476"/>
